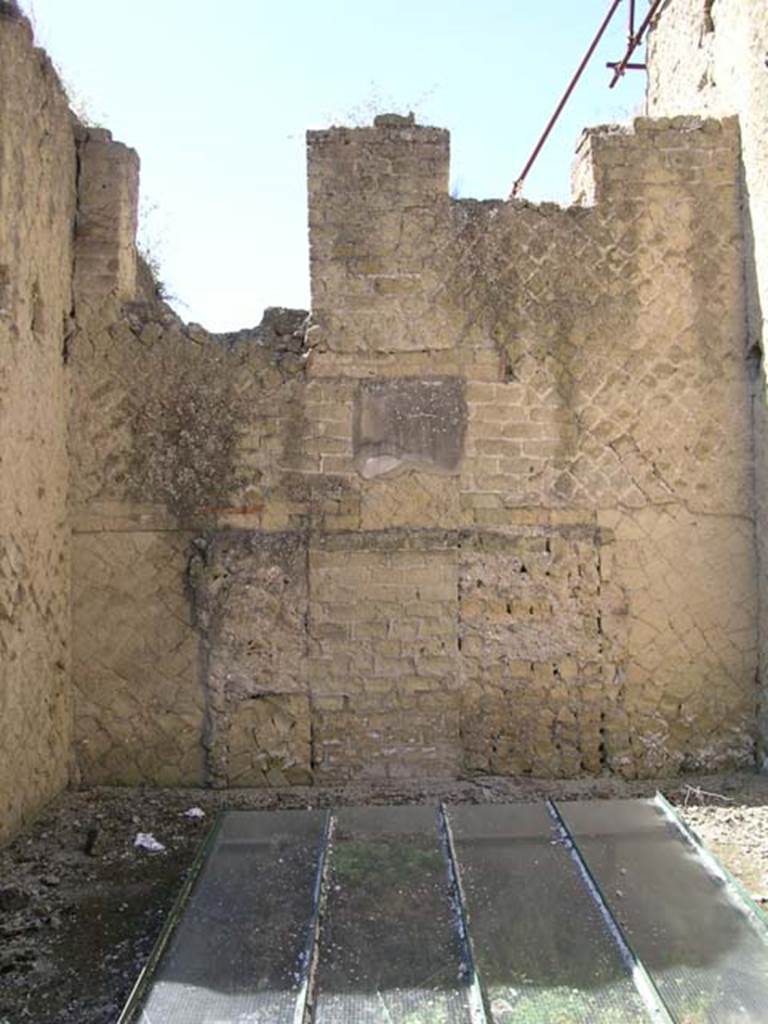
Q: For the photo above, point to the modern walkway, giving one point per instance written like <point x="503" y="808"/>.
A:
<point x="600" y="912"/>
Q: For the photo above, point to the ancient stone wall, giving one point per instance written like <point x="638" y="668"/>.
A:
<point x="490" y="512"/>
<point x="604" y="483"/>
<point x="37" y="209"/>
<point x="710" y="56"/>
<point x="489" y="508"/>
<point x="176" y="439"/>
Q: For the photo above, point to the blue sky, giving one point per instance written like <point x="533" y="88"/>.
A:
<point x="216" y="99"/>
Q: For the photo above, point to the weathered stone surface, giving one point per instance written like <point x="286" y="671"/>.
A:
<point x="490" y="509"/>
<point x="687" y="672"/>
<point x="533" y="653"/>
<point x="250" y="594"/>
<point x="375" y="196"/>
<point x="594" y="429"/>
<point x="37" y="207"/>
<point x="108" y="191"/>
<point x="401" y="422"/>
<point x="167" y="415"/>
<point x="710" y="58"/>
<point x="269" y="741"/>
<point x="139" y="700"/>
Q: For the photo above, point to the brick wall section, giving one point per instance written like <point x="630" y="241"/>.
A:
<point x="108" y="190"/>
<point x="551" y="570"/>
<point x="384" y="670"/>
<point x="607" y="400"/>
<point x="367" y="242"/>
<point x="37" y="207"/>
<point x="710" y="58"/>
<point x="491" y="512"/>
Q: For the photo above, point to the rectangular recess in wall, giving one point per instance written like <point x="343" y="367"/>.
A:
<point x="404" y="422"/>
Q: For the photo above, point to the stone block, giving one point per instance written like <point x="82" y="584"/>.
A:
<point x="268" y="739"/>
<point x="404" y="422"/>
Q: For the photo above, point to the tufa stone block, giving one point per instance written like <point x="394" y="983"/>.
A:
<point x="403" y="422"/>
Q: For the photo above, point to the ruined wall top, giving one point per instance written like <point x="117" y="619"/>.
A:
<point x="386" y="238"/>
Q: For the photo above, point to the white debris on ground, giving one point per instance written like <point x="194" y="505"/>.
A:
<point x="146" y="841"/>
<point x="194" y="813"/>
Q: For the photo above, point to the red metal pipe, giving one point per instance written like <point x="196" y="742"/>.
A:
<point x="566" y="95"/>
<point x="635" y="42"/>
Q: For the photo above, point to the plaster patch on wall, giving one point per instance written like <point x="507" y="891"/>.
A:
<point x="402" y="422"/>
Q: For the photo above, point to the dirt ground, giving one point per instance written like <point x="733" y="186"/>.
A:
<point x="81" y="906"/>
